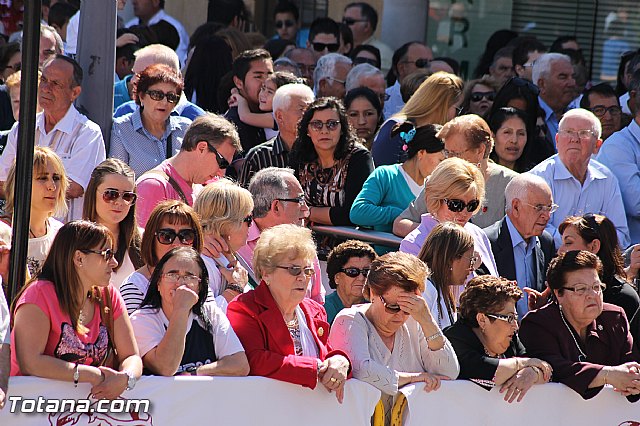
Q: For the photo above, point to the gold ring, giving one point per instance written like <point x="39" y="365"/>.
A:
<point x="333" y="380"/>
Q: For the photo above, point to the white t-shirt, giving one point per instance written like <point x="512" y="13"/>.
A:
<point x="150" y="326"/>
<point x="38" y="248"/>
<point x="216" y="282"/>
<point x="5" y="333"/>
<point x="413" y="185"/>
<point x="440" y="314"/>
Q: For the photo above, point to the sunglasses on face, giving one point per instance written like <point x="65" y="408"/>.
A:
<point x="351" y="21"/>
<point x="300" y="200"/>
<point x="478" y="96"/>
<point x="457" y="206"/>
<point x="107" y="254"/>
<point x="222" y="162"/>
<point x="317" y="125"/>
<point x="248" y="220"/>
<point x="158" y="95"/>
<point x="167" y="236"/>
<point x="297" y="270"/>
<point x="391" y="309"/>
<point x="287" y="23"/>
<point x="111" y="195"/>
<point x="419" y="63"/>
<point x="319" y="47"/>
<point x="354" y="272"/>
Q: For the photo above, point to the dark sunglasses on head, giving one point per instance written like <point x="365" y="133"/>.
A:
<point x="111" y="195"/>
<point x="286" y="23"/>
<point x="318" y="125"/>
<point x="457" y="206"/>
<point x="319" y="47"/>
<point x="478" y="96"/>
<point x="167" y="236"/>
<point x="248" y="220"/>
<point x="297" y="270"/>
<point x="222" y="162"/>
<point x="354" y="272"/>
<point x="158" y="95"/>
<point x="391" y="309"/>
<point x="107" y="254"/>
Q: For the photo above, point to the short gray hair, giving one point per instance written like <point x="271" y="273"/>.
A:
<point x="266" y="185"/>
<point x="542" y="65"/>
<point x="285" y="94"/>
<point x="596" y="126"/>
<point x="519" y="185"/>
<point x="326" y="66"/>
<point x="361" y="71"/>
<point x="159" y="54"/>
<point x="59" y="43"/>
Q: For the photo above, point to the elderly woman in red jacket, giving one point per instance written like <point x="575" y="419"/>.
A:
<point x="284" y="334"/>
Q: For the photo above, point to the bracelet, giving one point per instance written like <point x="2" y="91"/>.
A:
<point x="538" y="372"/>
<point x="606" y="375"/>
<point x="76" y="375"/>
<point x="435" y="336"/>
<point x="235" y="287"/>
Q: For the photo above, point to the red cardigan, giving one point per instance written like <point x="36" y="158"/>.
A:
<point x="259" y="324"/>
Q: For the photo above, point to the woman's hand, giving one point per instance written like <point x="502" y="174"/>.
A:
<point x="332" y="373"/>
<point x="184" y="298"/>
<point x="518" y="385"/>
<point x="416" y="306"/>
<point x="634" y="264"/>
<point x="544" y="366"/>
<point x="431" y="381"/>
<point x="624" y="378"/>
<point x="214" y="245"/>
<point x="114" y="383"/>
<point x="237" y="275"/>
<point x="128" y="38"/>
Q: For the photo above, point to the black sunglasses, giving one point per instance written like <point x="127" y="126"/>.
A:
<point x="111" y="195"/>
<point x="222" y="162"/>
<point x="457" y="206"/>
<point x="391" y="309"/>
<point x="351" y="21"/>
<point x="319" y="47"/>
<point x="354" y="272"/>
<point x="300" y="200"/>
<point x="248" y="220"/>
<point x="297" y="270"/>
<point x="107" y="254"/>
<point x="167" y="236"/>
<point x="286" y="23"/>
<point x="158" y="95"/>
<point x="478" y="96"/>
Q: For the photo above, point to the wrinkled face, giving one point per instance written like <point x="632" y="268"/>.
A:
<point x="575" y="151"/>
<point x="502" y="70"/>
<point x="324" y="139"/>
<point x="363" y="117"/>
<point x="293" y="212"/>
<point x="510" y="140"/>
<point x="558" y="88"/>
<point x="350" y="288"/>
<point x="335" y="86"/>
<point x="47" y="47"/>
<point x="286" y="26"/>
<point x="183" y="267"/>
<point x="610" y="119"/>
<point x="289" y="117"/>
<point x="499" y="332"/>
<point x="377" y="84"/>
<point x="456" y="145"/>
<point x="55" y="92"/>
<point x="581" y="309"/>
<point x="527" y="214"/>
<point x="445" y="214"/>
<point x="158" y="111"/>
<point x="408" y="64"/>
<point x="285" y="288"/>
<point x="113" y="212"/>
<point x="481" y="99"/>
<point x="385" y="319"/>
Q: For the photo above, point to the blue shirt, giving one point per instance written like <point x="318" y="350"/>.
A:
<point x="386" y="149"/>
<point x="599" y="194"/>
<point x="621" y="154"/>
<point x="121" y="92"/>
<point x="184" y="108"/>
<point x="134" y="145"/>
<point x="524" y="261"/>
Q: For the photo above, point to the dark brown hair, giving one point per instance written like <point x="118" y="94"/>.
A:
<point x="340" y="255"/>
<point x="570" y="261"/>
<point x="486" y="294"/>
<point x="154" y="74"/>
<point x="395" y="269"/>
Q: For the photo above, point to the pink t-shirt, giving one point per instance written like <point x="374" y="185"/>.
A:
<point x="153" y="188"/>
<point x="63" y="342"/>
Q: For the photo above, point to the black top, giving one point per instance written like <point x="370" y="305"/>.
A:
<point x="249" y="136"/>
<point x="198" y="348"/>
<point x="6" y="113"/>
<point x="474" y="362"/>
<point x="272" y="153"/>
<point x="620" y="293"/>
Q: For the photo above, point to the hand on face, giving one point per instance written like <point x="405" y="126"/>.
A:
<point x="184" y="298"/>
<point x="415" y="305"/>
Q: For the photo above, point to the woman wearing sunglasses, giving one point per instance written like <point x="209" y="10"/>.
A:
<point x="150" y="134"/>
<point x="171" y="224"/>
<point x="110" y="201"/>
<point x="224" y="208"/>
<point x="177" y="330"/>
<point x="348" y="265"/>
<point x="394" y="340"/>
<point x="486" y="343"/>
<point x="453" y="194"/>
<point x="48" y="188"/>
<point x="329" y="163"/>
<point x="283" y="333"/>
<point x="69" y="321"/>
<point x="479" y="95"/>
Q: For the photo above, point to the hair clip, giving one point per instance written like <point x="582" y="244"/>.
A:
<point x="405" y="147"/>
<point x="408" y="136"/>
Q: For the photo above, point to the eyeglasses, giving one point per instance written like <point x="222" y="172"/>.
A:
<point x="174" y="277"/>
<point x="540" y="208"/>
<point x="600" y="110"/>
<point x="331" y="47"/>
<point x="167" y="236"/>
<point x="583" y="134"/>
<point x="222" y="162"/>
<point x="459" y="110"/>
<point x="384" y="97"/>
<point x="297" y="270"/>
<point x="107" y="254"/>
<point x="521" y="82"/>
<point x="111" y="195"/>
<point x="581" y="289"/>
<point x="354" y="272"/>
<point x="287" y="23"/>
<point x="454" y="154"/>
<point x="318" y="125"/>
<point x="473" y="261"/>
<point x="351" y="21"/>
<point x="300" y="200"/>
<point x="455" y="205"/>
<point x="510" y="318"/>
<point x="478" y="96"/>
<point x="419" y="63"/>
<point x="158" y="95"/>
<point x="248" y="220"/>
<point x="391" y="309"/>
<point x="362" y="60"/>
<point x="343" y="82"/>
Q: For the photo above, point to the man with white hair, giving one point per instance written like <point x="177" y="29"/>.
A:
<point x="366" y="75"/>
<point x="151" y="55"/>
<point x="50" y="44"/>
<point x="330" y="75"/>
<point x="289" y="103"/>
<point x="581" y="185"/>
<point x="553" y="74"/>
<point x="520" y="244"/>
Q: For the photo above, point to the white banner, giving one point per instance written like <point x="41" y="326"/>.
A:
<point x="190" y="401"/>
<point x="461" y="402"/>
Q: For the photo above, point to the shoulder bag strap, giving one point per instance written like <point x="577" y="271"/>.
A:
<point x="169" y="147"/>
<point x="171" y="181"/>
<point x="106" y="317"/>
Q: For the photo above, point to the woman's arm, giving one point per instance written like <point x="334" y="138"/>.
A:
<point x="230" y="365"/>
<point x="367" y="208"/>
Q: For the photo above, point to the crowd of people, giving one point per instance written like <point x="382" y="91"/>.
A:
<point x="184" y="245"/>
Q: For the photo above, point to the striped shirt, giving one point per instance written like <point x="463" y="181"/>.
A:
<point x="272" y="153"/>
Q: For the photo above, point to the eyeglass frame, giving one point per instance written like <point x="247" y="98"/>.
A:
<point x="300" y="200"/>
<point x="465" y="205"/>
<point x="107" y="254"/>
<point x="391" y="309"/>
<point x="182" y="278"/>
<point x="308" y="271"/>
<point x="364" y="272"/>
<point x="180" y="235"/>
<point x="160" y="95"/>
<point x="119" y="195"/>
<point x="322" y="124"/>
<point x="325" y="46"/>
<point x="540" y="208"/>
<point x="596" y="288"/>
<point x="223" y="163"/>
<point x="508" y="318"/>
<point x="606" y="110"/>
<point x="577" y="134"/>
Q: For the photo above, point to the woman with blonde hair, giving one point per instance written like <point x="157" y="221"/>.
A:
<point x="224" y="208"/>
<point x="436" y="101"/>
<point x="48" y="188"/>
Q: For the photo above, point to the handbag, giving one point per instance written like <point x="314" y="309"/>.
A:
<point x="102" y="295"/>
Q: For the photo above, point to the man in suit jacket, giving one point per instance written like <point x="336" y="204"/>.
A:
<point x="521" y="246"/>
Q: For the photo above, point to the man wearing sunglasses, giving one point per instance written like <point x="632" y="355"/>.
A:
<point x="362" y="19"/>
<point x="207" y="150"/>
<point x="521" y="246"/>
<point x="406" y="60"/>
<point x="324" y="37"/>
<point x="286" y="18"/>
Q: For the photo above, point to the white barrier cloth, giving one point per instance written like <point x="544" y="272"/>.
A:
<point x="193" y="401"/>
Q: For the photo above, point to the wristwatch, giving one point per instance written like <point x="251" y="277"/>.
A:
<point x="131" y="381"/>
<point x="193" y="370"/>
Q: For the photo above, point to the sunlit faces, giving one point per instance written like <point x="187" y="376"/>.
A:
<point x="265" y="97"/>
<point x="444" y="214"/>
<point x="498" y="332"/>
<point x="286" y="288"/>
<point x="363" y="118"/>
<point x="258" y="72"/>
<point x="178" y="271"/>
<point x="207" y="167"/>
<point x="55" y="91"/>
<point x="324" y="139"/>
<point x="581" y="310"/>
<point x="528" y="219"/>
<point x="389" y="319"/>
<point x="558" y="88"/>
<point x="236" y="234"/>
<point x="94" y="268"/>
<point x="463" y="266"/>
<point x="575" y="151"/>
<point x="161" y="249"/>
<point x="288" y="118"/>
<point x="45" y="189"/>
<point x="350" y="288"/>
<point x="481" y="99"/>
<point x="572" y="240"/>
<point x="157" y="111"/>
<point x="510" y="140"/>
<point x="113" y="212"/>
<point x="456" y="145"/>
<point x="290" y="211"/>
